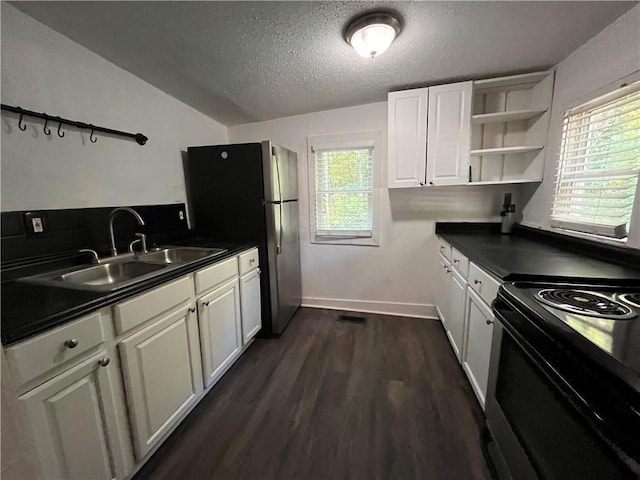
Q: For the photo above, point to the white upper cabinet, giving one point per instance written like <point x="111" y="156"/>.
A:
<point x="429" y="136"/>
<point x="478" y="132"/>
<point x="407" y="138"/>
<point x="448" y="134"/>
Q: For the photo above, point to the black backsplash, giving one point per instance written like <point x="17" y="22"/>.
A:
<point x="67" y="231"/>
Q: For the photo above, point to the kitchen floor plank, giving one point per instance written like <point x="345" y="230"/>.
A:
<point x="334" y="400"/>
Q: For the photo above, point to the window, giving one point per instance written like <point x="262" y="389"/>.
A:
<point x="599" y="165"/>
<point x="343" y="179"/>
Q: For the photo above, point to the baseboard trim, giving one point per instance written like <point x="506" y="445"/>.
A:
<point x="398" y="309"/>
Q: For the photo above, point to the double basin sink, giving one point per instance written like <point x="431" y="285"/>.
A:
<point x="128" y="269"/>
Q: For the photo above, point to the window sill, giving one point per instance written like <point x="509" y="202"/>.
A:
<point x="617" y="242"/>
<point x="361" y="242"/>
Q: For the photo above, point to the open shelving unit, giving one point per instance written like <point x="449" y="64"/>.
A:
<point x="512" y="116"/>
<point x="509" y="125"/>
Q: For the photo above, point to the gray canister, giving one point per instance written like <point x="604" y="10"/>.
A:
<point x="508" y="214"/>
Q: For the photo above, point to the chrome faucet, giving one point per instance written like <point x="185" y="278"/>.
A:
<point x="112" y="216"/>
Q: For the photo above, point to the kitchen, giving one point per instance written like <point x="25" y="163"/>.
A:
<point x="89" y="72"/>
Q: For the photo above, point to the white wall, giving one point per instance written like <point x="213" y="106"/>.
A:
<point x="44" y="71"/>
<point x="396" y="277"/>
<point x="611" y="55"/>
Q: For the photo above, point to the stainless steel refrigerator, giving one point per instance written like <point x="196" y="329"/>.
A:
<point x="248" y="193"/>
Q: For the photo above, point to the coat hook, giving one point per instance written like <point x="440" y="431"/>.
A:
<point x="60" y="134"/>
<point x="92" y="139"/>
<point x="47" y="131"/>
<point x="20" y="126"/>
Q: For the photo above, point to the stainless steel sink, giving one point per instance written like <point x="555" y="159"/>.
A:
<point x="171" y="255"/>
<point x="110" y="273"/>
<point x="125" y="270"/>
<point x="108" y="276"/>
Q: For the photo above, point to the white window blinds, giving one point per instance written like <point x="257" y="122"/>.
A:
<point x="343" y="191"/>
<point x="599" y="164"/>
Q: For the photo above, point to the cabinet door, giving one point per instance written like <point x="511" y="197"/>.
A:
<point x="478" y="346"/>
<point x="407" y="111"/>
<point x="163" y="375"/>
<point x="456" y="321"/>
<point x="449" y="134"/>
<point x="250" y="305"/>
<point x="443" y="292"/>
<point x="72" y="419"/>
<point x="219" y="317"/>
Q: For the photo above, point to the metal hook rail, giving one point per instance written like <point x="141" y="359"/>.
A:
<point x="138" y="137"/>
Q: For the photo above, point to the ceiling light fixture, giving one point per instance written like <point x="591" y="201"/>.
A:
<point x="371" y="34"/>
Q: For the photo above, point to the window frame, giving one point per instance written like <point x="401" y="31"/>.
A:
<point x="632" y="240"/>
<point x="363" y="139"/>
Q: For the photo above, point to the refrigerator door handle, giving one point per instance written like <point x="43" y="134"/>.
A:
<point x="275" y="160"/>
<point x="279" y="242"/>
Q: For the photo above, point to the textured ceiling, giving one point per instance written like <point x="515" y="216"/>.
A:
<point x="240" y="62"/>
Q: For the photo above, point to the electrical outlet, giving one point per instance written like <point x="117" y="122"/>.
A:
<point x="35" y="222"/>
<point x="38" y="227"/>
<point x="181" y="215"/>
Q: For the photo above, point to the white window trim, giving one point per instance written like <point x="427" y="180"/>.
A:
<point x="633" y="238"/>
<point x="372" y="138"/>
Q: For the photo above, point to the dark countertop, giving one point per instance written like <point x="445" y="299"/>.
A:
<point x="529" y="254"/>
<point x="29" y="308"/>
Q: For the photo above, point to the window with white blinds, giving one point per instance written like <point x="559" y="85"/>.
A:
<point x="343" y="191"/>
<point x="599" y="165"/>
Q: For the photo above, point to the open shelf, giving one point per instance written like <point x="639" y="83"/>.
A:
<point x="503" y="182"/>
<point x="511" y="116"/>
<point x="505" y="150"/>
<point x="512" y="82"/>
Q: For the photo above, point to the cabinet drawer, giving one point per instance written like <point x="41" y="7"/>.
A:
<point x="208" y="278"/>
<point x="248" y="261"/>
<point x="33" y="358"/>
<point x="483" y="283"/>
<point x="444" y="248"/>
<point x="138" y="310"/>
<point x="460" y="263"/>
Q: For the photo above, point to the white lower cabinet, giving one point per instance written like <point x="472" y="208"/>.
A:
<point x="464" y="308"/>
<point x="443" y="291"/>
<point x="457" y="287"/>
<point x="478" y="348"/>
<point x="70" y="378"/>
<point x="220" y="324"/>
<point x="73" y="421"/>
<point x="163" y="375"/>
<point x="250" y="305"/>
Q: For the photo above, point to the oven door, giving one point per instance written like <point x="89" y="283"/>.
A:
<point x="532" y="416"/>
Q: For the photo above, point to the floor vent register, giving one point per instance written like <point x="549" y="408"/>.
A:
<point x="351" y="319"/>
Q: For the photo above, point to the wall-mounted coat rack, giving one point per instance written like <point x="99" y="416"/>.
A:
<point x="138" y="137"/>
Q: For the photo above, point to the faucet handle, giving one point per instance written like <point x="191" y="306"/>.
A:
<point x="142" y="238"/>
<point x="143" y="241"/>
<point x="95" y="259"/>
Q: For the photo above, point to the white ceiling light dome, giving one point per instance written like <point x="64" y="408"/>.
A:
<point x="373" y="33"/>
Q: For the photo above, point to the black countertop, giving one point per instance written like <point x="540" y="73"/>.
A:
<point x="529" y="254"/>
<point x="30" y="308"/>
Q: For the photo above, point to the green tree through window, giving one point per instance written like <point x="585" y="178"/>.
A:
<point x="599" y="165"/>
<point x="343" y="190"/>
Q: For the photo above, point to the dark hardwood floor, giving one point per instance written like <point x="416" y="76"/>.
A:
<point x="334" y="400"/>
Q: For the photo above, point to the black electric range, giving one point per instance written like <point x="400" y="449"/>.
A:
<point x="563" y="398"/>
